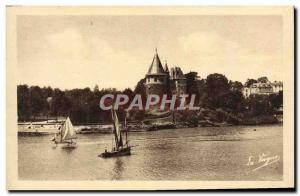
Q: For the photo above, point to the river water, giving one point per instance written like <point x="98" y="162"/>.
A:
<point x="223" y="153"/>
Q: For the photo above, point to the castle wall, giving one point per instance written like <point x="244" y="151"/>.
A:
<point x="180" y="87"/>
<point x="156" y="84"/>
<point x="157" y="89"/>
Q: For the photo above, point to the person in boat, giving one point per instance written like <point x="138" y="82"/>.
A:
<point x="54" y="137"/>
<point x="54" y="140"/>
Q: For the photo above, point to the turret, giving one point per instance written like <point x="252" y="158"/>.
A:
<point x="166" y="69"/>
<point x="156" y="78"/>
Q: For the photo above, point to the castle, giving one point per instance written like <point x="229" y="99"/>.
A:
<point x="161" y="81"/>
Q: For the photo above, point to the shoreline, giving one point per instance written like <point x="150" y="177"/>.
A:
<point x="105" y="132"/>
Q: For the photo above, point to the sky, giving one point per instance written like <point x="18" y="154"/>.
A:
<point x="116" y="51"/>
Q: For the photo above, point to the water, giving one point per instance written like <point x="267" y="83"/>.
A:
<point x="179" y="154"/>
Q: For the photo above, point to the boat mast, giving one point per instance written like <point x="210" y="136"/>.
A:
<point x="125" y="127"/>
<point x="173" y="117"/>
<point x="115" y="129"/>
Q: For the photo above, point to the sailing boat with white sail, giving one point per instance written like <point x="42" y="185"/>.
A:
<point x="67" y="134"/>
<point x="119" y="148"/>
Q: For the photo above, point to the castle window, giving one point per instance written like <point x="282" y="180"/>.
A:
<point x="148" y="79"/>
<point x="155" y="79"/>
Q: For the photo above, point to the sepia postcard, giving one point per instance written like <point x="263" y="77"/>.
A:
<point x="150" y="98"/>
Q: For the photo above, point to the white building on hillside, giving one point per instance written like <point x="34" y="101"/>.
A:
<point x="260" y="88"/>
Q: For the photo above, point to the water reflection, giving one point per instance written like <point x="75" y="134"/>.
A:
<point x="118" y="168"/>
<point x="54" y="147"/>
<point x="67" y="150"/>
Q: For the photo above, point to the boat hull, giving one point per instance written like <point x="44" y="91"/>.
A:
<point x="120" y="152"/>
<point x="66" y="144"/>
<point x="70" y="145"/>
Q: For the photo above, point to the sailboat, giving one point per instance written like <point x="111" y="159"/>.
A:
<point x="118" y="148"/>
<point x="67" y="134"/>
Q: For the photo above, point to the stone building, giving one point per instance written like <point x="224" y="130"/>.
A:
<point x="178" y="81"/>
<point x="161" y="81"/>
<point x="156" y="78"/>
<point x="277" y="86"/>
<point x="261" y="88"/>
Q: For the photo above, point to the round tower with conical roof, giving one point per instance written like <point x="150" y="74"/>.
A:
<point x="156" y="78"/>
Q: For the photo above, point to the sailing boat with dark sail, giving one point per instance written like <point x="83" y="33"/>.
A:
<point x="119" y="148"/>
<point x="66" y="135"/>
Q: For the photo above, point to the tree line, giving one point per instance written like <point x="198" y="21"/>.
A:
<point x="82" y="105"/>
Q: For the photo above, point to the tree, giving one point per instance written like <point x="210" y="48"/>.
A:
<point x="128" y="92"/>
<point x="250" y="82"/>
<point x="38" y="103"/>
<point x="202" y="93"/>
<point x="215" y="93"/>
<point x="24" y="111"/>
<point x="263" y="79"/>
<point x="96" y="88"/>
<point x="217" y="88"/>
<point x="236" y="85"/>
<point x="260" y="105"/>
<point x="61" y="105"/>
<point x="276" y="100"/>
<point x="130" y="95"/>
<point x="47" y="92"/>
<point x="140" y="89"/>
<point x="193" y="85"/>
<point x="233" y="100"/>
<point x="191" y="82"/>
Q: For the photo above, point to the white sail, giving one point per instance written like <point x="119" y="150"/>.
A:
<point x="116" y="121"/>
<point x="68" y="130"/>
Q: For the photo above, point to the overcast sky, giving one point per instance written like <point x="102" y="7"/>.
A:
<point x="116" y="51"/>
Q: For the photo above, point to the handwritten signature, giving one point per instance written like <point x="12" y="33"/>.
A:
<point x="262" y="160"/>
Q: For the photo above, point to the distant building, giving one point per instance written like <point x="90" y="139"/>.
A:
<point x="261" y="88"/>
<point x="160" y="80"/>
<point x="277" y="86"/>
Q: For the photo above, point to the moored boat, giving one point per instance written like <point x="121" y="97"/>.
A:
<point x="39" y="128"/>
<point x="119" y="148"/>
<point x="116" y="153"/>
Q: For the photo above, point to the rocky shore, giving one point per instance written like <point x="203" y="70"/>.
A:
<point x="186" y="119"/>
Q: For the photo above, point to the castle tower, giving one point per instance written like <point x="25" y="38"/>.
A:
<point x="168" y="84"/>
<point x="178" y="80"/>
<point x="156" y="78"/>
<point x="166" y="69"/>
